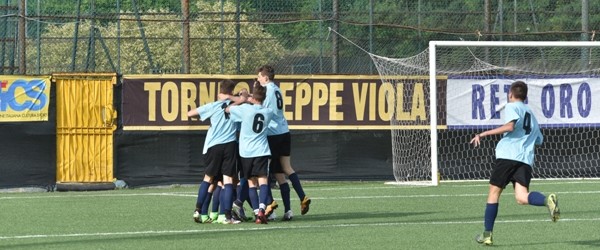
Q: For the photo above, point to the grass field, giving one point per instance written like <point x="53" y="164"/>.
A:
<point x="343" y="215"/>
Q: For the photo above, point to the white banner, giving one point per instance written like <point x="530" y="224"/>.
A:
<point x="557" y="102"/>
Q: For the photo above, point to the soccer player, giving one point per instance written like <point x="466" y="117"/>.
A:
<point x="280" y="144"/>
<point x="514" y="160"/>
<point x="220" y="152"/>
<point x="254" y="147"/>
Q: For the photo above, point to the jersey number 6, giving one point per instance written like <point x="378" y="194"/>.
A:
<point x="259" y="123"/>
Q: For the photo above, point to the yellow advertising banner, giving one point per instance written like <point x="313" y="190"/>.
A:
<point x="339" y="102"/>
<point x="24" y="98"/>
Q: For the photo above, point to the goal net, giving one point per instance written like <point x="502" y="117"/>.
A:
<point x="455" y="89"/>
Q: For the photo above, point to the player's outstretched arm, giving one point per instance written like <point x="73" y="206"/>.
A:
<point x="192" y="113"/>
<point x="508" y="127"/>
<point x="238" y="99"/>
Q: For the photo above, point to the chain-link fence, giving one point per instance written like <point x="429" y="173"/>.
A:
<point x="236" y="36"/>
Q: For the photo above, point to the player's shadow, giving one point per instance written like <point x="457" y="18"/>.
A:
<point x="589" y="243"/>
<point x="586" y="243"/>
<point x="359" y="216"/>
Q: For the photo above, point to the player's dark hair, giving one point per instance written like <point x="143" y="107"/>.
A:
<point x="267" y="70"/>
<point x="519" y="90"/>
<point x="259" y="92"/>
<point x="227" y="86"/>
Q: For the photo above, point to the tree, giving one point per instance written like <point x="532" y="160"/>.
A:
<point x="163" y="32"/>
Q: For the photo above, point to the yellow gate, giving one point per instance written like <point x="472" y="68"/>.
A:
<point x="84" y="127"/>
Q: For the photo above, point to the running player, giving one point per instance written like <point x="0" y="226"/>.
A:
<point x="514" y="160"/>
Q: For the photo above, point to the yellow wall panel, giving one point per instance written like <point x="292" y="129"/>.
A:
<point x="85" y="123"/>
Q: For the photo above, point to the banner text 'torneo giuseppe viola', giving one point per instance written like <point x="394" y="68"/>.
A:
<point x="329" y="102"/>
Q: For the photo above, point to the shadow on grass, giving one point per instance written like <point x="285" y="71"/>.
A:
<point x="357" y="217"/>
<point x="550" y="244"/>
<point x="589" y="243"/>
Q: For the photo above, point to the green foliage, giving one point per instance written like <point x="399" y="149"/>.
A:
<point x="59" y="7"/>
<point x="272" y="30"/>
<point x="164" y="42"/>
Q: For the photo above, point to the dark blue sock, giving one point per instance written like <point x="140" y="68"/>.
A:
<point x="264" y="192"/>
<point x="297" y="186"/>
<point x="206" y="203"/>
<point x="491" y="211"/>
<point x="216" y="199"/>
<point x="221" y="201"/>
<point x="226" y="203"/>
<point x="202" y="193"/>
<point x="536" y="199"/>
<point x="242" y="191"/>
<point x="253" y="196"/>
<point x="285" y="195"/>
<point x="234" y="194"/>
<point x="269" y="198"/>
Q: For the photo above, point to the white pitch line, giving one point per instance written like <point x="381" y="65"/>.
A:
<point x="434" y="195"/>
<point x="444" y="184"/>
<point x="166" y="232"/>
<point x="453" y="184"/>
<point x="95" y="195"/>
<point x="314" y="198"/>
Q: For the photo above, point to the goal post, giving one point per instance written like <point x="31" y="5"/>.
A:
<point x="466" y="91"/>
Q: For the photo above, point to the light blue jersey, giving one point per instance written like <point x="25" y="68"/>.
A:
<point x="222" y="129"/>
<point x="519" y="145"/>
<point x="274" y="101"/>
<point x="253" y="132"/>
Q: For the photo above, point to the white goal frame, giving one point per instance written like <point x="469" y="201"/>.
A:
<point x="433" y="83"/>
